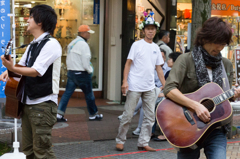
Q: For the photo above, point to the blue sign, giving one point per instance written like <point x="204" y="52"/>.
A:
<point x="96" y="11"/>
<point x="5" y="36"/>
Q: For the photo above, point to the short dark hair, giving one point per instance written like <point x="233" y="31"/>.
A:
<point x="163" y="51"/>
<point x="163" y="33"/>
<point x="46" y="15"/>
<point x="214" y="30"/>
<point x="174" y="55"/>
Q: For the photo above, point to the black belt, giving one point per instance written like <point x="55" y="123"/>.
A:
<point x="80" y="72"/>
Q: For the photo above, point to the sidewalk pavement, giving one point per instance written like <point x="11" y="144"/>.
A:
<point x="106" y="150"/>
<point x="79" y="128"/>
<point x="81" y="138"/>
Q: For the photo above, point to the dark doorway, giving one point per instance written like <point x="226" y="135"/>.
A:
<point x="128" y="31"/>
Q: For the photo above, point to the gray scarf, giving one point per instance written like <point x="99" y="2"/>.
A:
<point x="202" y="59"/>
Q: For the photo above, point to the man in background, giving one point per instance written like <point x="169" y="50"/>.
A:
<point x="79" y="74"/>
<point x="138" y="81"/>
<point x="164" y="39"/>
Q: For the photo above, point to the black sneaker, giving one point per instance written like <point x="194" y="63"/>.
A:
<point x="96" y="117"/>
<point x="60" y="118"/>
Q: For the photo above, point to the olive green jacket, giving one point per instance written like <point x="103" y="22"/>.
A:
<point x="183" y="75"/>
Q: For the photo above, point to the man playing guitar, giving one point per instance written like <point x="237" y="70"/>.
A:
<point x="192" y="70"/>
<point x="42" y="61"/>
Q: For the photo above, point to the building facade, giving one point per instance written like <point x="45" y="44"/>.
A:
<point x="115" y="24"/>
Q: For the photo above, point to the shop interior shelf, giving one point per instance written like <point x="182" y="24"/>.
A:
<point x="68" y="20"/>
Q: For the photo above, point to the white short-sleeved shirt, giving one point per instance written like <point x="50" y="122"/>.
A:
<point x="50" y="54"/>
<point x="145" y="57"/>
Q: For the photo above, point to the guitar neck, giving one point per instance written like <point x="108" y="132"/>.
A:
<point x="224" y="96"/>
<point x="7" y="50"/>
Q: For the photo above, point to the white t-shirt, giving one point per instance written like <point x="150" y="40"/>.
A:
<point x="50" y="54"/>
<point x="210" y="73"/>
<point x="145" y="57"/>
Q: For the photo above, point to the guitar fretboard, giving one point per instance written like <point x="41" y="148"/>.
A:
<point x="224" y="96"/>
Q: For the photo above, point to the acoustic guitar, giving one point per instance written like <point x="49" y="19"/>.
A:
<point x="13" y="90"/>
<point x="181" y="126"/>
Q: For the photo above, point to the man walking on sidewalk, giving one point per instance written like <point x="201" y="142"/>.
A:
<point x="79" y="74"/>
<point x="138" y="79"/>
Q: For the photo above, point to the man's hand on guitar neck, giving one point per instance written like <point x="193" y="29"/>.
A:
<point x="236" y="92"/>
<point x="7" y="63"/>
<point x="4" y="76"/>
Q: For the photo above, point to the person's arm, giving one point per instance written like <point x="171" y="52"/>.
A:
<point x="160" y="74"/>
<point x="25" y="71"/>
<point x="46" y="57"/>
<point x="83" y="50"/>
<point x="236" y="92"/>
<point x="125" y="76"/>
<point x="4" y="76"/>
<point x="86" y="62"/>
<point x="201" y="111"/>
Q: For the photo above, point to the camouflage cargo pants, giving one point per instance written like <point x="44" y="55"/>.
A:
<point x="37" y="123"/>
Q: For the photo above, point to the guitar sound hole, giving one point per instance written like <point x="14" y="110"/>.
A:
<point x="209" y="104"/>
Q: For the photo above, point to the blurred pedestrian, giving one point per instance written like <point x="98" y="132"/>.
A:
<point x="79" y="74"/>
<point x="164" y="39"/>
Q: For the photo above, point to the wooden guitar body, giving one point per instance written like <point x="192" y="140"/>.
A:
<point x="175" y="120"/>
<point x="13" y="91"/>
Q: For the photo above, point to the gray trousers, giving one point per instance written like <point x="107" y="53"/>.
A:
<point x="139" y="106"/>
<point x="148" y="104"/>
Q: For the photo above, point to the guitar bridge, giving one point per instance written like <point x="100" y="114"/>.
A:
<point x="188" y="116"/>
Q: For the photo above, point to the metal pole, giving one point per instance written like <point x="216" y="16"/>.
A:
<point x="14" y="56"/>
<point x="238" y="19"/>
<point x="14" y="34"/>
<point x="235" y="56"/>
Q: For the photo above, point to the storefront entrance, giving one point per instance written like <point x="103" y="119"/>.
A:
<point x="228" y="10"/>
<point x="71" y="14"/>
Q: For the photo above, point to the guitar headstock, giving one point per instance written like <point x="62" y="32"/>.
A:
<point x="8" y="49"/>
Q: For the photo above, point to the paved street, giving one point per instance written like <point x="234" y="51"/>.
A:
<point x="106" y="150"/>
<point x="80" y="138"/>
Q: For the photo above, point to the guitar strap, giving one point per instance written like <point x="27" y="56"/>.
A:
<point x="225" y="84"/>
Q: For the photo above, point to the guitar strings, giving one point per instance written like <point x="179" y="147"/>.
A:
<point x="208" y="104"/>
